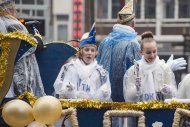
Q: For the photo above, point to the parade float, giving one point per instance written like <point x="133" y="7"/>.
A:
<point x="31" y="111"/>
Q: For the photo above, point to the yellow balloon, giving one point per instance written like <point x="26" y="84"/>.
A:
<point x="36" y="124"/>
<point x="47" y="110"/>
<point x="17" y="113"/>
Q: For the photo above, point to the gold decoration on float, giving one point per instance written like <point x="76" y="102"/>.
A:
<point x="5" y="49"/>
<point x="82" y="103"/>
<point x="71" y="113"/>
<point x="19" y="35"/>
<point x="123" y="113"/>
<point x="181" y="117"/>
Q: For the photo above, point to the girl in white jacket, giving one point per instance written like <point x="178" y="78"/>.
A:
<point x="83" y="78"/>
<point x="149" y="78"/>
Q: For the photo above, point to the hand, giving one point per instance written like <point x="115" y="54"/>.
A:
<point x="138" y="83"/>
<point x="165" y="90"/>
<point x="105" y="93"/>
<point x="69" y="87"/>
<point x="104" y="90"/>
<point x="177" y="64"/>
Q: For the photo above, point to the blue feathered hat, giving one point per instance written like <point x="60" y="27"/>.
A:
<point x="89" y="38"/>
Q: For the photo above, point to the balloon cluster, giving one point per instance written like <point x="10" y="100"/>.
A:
<point x="46" y="111"/>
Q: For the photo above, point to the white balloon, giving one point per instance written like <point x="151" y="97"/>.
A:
<point x="36" y="124"/>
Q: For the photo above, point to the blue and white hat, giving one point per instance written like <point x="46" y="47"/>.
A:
<point x="89" y="38"/>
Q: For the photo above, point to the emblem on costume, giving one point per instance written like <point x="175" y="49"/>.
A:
<point x="157" y="124"/>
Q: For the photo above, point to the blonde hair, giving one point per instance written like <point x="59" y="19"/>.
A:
<point x="79" y="53"/>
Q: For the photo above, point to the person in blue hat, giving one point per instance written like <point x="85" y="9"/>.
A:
<point x="83" y="78"/>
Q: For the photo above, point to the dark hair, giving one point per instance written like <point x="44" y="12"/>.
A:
<point x="147" y="37"/>
<point x="147" y="34"/>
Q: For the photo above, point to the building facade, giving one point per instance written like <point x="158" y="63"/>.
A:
<point x="56" y="17"/>
<point x="169" y="20"/>
<point x="35" y="10"/>
<point x="65" y="20"/>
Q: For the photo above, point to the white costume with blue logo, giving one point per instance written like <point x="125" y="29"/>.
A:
<point x="79" y="81"/>
<point x="151" y="79"/>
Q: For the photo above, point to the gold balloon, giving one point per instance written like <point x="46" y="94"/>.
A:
<point x="17" y="113"/>
<point x="36" y="124"/>
<point x="47" y="110"/>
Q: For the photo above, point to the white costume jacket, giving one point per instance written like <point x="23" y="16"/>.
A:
<point x="79" y="81"/>
<point x="183" y="88"/>
<point x="147" y="82"/>
<point x="26" y="75"/>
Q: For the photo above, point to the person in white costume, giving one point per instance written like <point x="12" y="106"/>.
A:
<point x="183" y="88"/>
<point x="26" y="75"/>
<point x="183" y="95"/>
<point x="83" y="78"/>
<point x="149" y="78"/>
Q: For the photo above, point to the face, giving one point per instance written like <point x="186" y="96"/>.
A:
<point x="88" y="54"/>
<point x="12" y="10"/>
<point x="149" y="51"/>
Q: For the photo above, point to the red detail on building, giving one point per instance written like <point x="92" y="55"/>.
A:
<point x="77" y="18"/>
<point x="122" y="3"/>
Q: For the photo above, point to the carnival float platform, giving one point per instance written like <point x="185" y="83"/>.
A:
<point x="82" y="113"/>
<point x="89" y="113"/>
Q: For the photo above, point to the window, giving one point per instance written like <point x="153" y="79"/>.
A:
<point x="184" y="8"/>
<point x="40" y="2"/>
<point x="150" y="9"/>
<point x="102" y="9"/>
<point x="17" y="1"/>
<point x="116" y="7"/>
<point x="107" y="9"/>
<point x="18" y="10"/>
<point x="33" y="12"/>
<point x="40" y="13"/>
<point x="28" y="1"/>
<point x="62" y="17"/>
<point x="138" y="9"/>
<point x="168" y="6"/>
<point x="62" y="32"/>
<point x="26" y="12"/>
